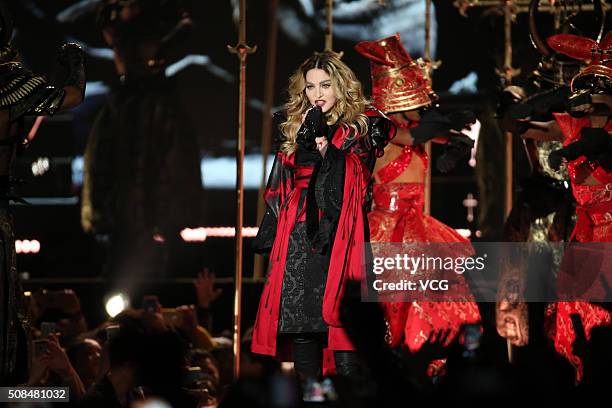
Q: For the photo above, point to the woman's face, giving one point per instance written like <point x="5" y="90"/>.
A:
<point x="319" y="89"/>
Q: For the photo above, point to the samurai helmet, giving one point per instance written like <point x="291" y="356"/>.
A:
<point x="596" y="75"/>
<point x="398" y="83"/>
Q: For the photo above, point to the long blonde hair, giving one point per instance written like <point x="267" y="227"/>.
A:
<point x="350" y="101"/>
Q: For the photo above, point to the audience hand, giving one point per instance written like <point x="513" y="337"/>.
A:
<point x="205" y="288"/>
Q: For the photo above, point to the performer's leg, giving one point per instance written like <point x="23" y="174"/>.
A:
<point x="307" y="357"/>
<point x="347" y="363"/>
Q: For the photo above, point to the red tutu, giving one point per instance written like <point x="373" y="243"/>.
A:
<point x="398" y="216"/>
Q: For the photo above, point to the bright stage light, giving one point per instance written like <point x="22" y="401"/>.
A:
<point x="202" y="233"/>
<point x="116" y="304"/>
<point x="194" y="234"/>
<point x="40" y="166"/>
<point x="26" y="246"/>
<point x="464" y="232"/>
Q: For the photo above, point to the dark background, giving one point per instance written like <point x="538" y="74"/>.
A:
<point x="71" y="258"/>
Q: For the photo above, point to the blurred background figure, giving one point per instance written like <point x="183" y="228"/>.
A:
<point x="142" y="181"/>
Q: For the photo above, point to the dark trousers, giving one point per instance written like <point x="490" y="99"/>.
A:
<point x="308" y="358"/>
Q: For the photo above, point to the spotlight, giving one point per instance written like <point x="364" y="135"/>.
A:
<point x="152" y="403"/>
<point x="26" y="246"/>
<point x="40" y="166"/>
<point x="464" y="232"/>
<point x="194" y="234"/>
<point x="202" y="233"/>
<point x="116" y="304"/>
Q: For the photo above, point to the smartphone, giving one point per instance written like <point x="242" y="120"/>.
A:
<point x="172" y="317"/>
<point x="112" y="331"/>
<point x="193" y="376"/>
<point x="47" y="328"/>
<point x="150" y="303"/>
<point x="471" y="336"/>
<point x="41" y="347"/>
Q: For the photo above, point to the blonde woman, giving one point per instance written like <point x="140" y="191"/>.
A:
<point x="315" y="219"/>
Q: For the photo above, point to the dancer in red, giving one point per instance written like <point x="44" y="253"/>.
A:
<point x="315" y="224"/>
<point x="400" y="90"/>
<point x="588" y="153"/>
<point x="585" y="132"/>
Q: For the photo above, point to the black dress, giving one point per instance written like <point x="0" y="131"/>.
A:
<point x="305" y="270"/>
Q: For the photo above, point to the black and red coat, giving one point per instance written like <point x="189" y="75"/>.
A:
<point x="336" y="222"/>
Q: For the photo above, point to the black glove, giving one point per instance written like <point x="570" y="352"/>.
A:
<point x="461" y="119"/>
<point x="458" y="148"/>
<point x="598" y="146"/>
<point x="431" y="125"/>
<point x="555" y="159"/>
<point x="72" y="57"/>
<point x="536" y="107"/>
<point x="311" y="128"/>
<point x="543" y="194"/>
<point x="380" y="133"/>
<point x="594" y="143"/>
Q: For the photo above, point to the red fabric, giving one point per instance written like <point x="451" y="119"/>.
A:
<point x="266" y="323"/>
<point x="347" y="253"/>
<point x="345" y="263"/>
<point x="594" y="224"/>
<point x="397" y="216"/>
<point x="396" y="167"/>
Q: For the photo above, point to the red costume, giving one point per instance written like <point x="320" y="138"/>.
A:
<point x="347" y="153"/>
<point x="594" y="209"/>
<point x="594" y="224"/>
<point x="397" y="215"/>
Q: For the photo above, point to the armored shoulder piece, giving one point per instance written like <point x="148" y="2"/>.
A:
<point x="23" y="93"/>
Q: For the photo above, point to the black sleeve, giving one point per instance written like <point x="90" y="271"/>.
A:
<point x="264" y="240"/>
<point x="262" y="244"/>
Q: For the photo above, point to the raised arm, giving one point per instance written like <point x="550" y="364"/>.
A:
<point x="23" y="93"/>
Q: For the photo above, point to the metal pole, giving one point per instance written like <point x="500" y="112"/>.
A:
<point x="266" y="127"/>
<point x="427" y="30"/>
<point x="508" y="74"/>
<point x="329" y="30"/>
<point x="242" y="50"/>
<point x="427" y="57"/>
